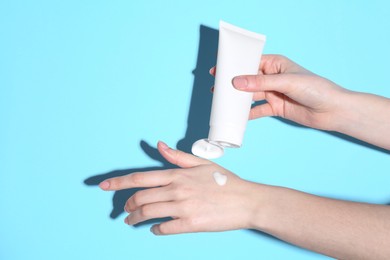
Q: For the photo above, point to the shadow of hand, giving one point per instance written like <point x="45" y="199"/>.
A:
<point x="197" y="123"/>
<point x="120" y="197"/>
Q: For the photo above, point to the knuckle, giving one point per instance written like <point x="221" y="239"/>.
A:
<point x="181" y="192"/>
<point x="259" y="82"/>
<point x="193" y="223"/>
<point x="187" y="208"/>
<point x="280" y="57"/>
<point x="146" y="211"/>
<point x="137" y="178"/>
<point x="115" y="183"/>
<point x="178" y="193"/>
<point x="137" y="199"/>
<point x="175" y="173"/>
<point x="127" y="205"/>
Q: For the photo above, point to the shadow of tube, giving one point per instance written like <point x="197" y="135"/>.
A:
<point x="200" y="105"/>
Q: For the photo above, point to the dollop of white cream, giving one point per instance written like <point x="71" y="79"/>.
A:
<point x="220" y="178"/>
<point x="205" y="149"/>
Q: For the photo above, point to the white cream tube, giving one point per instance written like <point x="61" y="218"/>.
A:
<point x="239" y="53"/>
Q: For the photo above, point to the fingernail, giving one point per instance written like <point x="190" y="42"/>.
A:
<point x="125" y="209"/>
<point x="126" y="221"/>
<point x="164" y="146"/>
<point x="104" y="185"/>
<point x="212" y="71"/>
<point x="154" y="230"/>
<point x="212" y="89"/>
<point x="240" y="82"/>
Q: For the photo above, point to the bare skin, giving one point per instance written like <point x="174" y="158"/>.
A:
<point x="297" y="94"/>
<point x="341" y="229"/>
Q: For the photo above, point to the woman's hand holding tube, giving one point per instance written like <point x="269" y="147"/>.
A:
<point x="292" y="92"/>
<point x="297" y="94"/>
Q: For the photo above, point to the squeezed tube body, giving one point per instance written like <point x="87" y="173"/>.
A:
<point x="239" y="53"/>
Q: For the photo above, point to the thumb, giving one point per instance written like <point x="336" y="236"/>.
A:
<point x="254" y="83"/>
<point x="179" y="158"/>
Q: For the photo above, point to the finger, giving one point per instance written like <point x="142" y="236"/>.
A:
<point x="254" y="83"/>
<point x="274" y="64"/>
<point x="257" y="96"/>
<point x="261" y="111"/>
<point x="179" y="158"/>
<point x="148" y="196"/>
<point x="212" y="71"/>
<point x="138" y="180"/>
<point x="176" y="226"/>
<point x="152" y="211"/>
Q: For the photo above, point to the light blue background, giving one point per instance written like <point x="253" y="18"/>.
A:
<point x="83" y="82"/>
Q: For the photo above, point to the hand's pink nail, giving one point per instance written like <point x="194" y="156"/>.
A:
<point x="163" y="145"/>
<point x="165" y="148"/>
<point x="104" y="185"/>
<point x="154" y="230"/>
<point x="126" y="221"/>
<point x="240" y="82"/>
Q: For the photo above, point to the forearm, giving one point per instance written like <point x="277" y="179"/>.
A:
<point x="341" y="229"/>
<point x="365" y="117"/>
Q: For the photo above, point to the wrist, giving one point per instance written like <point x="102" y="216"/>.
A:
<point x="365" y="117"/>
<point x="264" y="203"/>
<point x="346" y="115"/>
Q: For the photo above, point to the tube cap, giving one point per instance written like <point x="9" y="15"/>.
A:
<point x="207" y="149"/>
